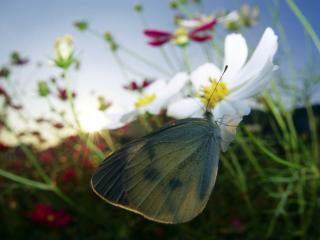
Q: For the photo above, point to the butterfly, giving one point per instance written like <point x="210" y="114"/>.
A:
<point x="166" y="176"/>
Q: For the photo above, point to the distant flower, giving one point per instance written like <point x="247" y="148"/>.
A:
<point x="4" y="72"/>
<point x="88" y="163"/>
<point x="134" y="86"/>
<point x="17" y="107"/>
<point x="138" y="8"/>
<point x="58" y="125"/>
<point x="46" y="215"/>
<point x="46" y="157"/>
<point x="108" y="37"/>
<point x="227" y="100"/>
<point x="156" y="97"/>
<point x="68" y="174"/>
<point x="103" y="104"/>
<point x="244" y="17"/>
<point x="6" y="96"/>
<point x="16" y="59"/>
<point x="64" y="48"/>
<point x="81" y="25"/>
<point x="182" y="35"/>
<point x="63" y="94"/>
<point x="4" y="147"/>
<point x="43" y="89"/>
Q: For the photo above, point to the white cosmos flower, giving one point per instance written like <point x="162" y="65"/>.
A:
<point x="227" y="100"/>
<point x="156" y="97"/>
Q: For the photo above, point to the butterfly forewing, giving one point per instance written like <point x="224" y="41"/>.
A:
<point x="166" y="176"/>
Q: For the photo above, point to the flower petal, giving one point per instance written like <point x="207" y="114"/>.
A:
<point x="200" y="38"/>
<point x="202" y="74"/>
<point x="129" y="116"/>
<point x="206" y="26"/>
<point x="254" y="85"/>
<point x="187" y="107"/>
<point x="228" y="115"/>
<point x="262" y="56"/>
<point x="235" y="55"/>
<point x="176" y="84"/>
<point x="156" y="33"/>
<point x="155" y="87"/>
<point x="158" y="42"/>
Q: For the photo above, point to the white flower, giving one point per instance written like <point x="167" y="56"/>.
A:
<point x="64" y="47"/>
<point x="156" y="97"/>
<point x="227" y="100"/>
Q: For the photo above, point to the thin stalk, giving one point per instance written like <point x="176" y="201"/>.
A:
<point x="186" y="59"/>
<point x="167" y="59"/>
<point x="26" y="181"/>
<point x="249" y="154"/>
<point x="145" y="123"/>
<point x="305" y="23"/>
<point x="107" y="137"/>
<point x="35" y="163"/>
<point x="314" y="134"/>
<point x="270" y="154"/>
<point x="144" y="60"/>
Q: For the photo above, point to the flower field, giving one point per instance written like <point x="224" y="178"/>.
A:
<point x="215" y="138"/>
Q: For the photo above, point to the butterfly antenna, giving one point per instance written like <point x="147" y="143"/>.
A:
<point x="215" y="88"/>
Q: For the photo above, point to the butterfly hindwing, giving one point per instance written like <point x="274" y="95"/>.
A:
<point x="166" y="176"/>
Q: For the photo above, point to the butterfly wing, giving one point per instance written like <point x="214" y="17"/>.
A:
<point x="166" y="176"/>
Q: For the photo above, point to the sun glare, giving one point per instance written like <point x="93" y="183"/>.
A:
<point x="93" y="121"/>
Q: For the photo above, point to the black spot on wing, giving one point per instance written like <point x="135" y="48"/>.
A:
<point x="151" y="174"/>
<point x="175" y="183"/>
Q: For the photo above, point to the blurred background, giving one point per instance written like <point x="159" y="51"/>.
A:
<point x="57" y="117"/>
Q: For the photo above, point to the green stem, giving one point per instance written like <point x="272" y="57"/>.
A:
<point x="35" y="163"/>
<point x="145" y="123"/>
<point x="167" y="59"/>
<point x="144" y="60"/>
<point x="305" y="23"/>
<point x="107" y="137"/>
<point x="272" y="156"/>
<point x="26" y="181"/>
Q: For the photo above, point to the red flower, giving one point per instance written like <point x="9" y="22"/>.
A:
<point x="63" y="94"/>
<point x="4" y="147"/>
<point x="46" y="215"/>
<point x="134" y="86"/>
<point x="88" y="163"/>
<point x="68" y="174"/>
<point x="46" y="157"/>
<point x="198" y="34"/>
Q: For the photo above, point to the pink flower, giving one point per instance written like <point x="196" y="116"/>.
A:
<point x="158" y="38"/>
<point x="46" y="215"/>
<point x="182" y="35"/>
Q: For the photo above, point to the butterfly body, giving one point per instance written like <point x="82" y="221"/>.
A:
<point x="166" y="176"/>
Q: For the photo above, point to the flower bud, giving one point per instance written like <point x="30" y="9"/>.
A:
<point x="64" y="51"/>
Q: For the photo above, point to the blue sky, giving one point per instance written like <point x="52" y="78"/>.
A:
<point x="31" y="27"/>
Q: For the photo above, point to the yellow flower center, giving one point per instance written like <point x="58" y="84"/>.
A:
<point x="213" y="93"/>
<point x="144" y="101"/>
<point x="181" y="32"/>
<point x="181" y="36"/>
